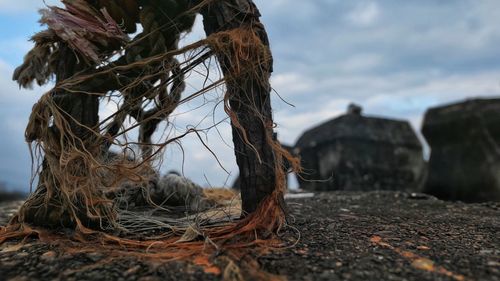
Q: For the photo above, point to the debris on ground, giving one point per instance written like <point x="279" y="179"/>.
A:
<point x="343" y="236"/>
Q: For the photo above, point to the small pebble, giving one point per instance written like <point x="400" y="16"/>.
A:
<point x="19" y="278"/>
<point x="48" y="256"/>
<point x="132" y="270"/>
<point x="494" y="263"/>
<point x="95" y="257"/>
<point x="22" y="255"/>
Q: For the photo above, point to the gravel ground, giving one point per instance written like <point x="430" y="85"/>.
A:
<point x="344" y="236"/>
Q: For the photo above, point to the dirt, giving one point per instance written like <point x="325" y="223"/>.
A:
<point x="344" y="236"/>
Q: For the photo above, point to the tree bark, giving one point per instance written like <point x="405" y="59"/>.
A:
<point x="82" y="113"/>
<point x="81" y="107"/>
<point x="249" y="98"/>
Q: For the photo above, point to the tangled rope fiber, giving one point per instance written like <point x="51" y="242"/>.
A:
<point x="72" y="145"/>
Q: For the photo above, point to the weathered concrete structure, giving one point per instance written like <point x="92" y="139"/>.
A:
<point x="465" y="150"/>
<point x="354" y="152"/>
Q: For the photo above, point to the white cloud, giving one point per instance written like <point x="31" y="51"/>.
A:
<point x="291" y="123"/>
<point x="25" y="5"/>
<point x="364" y="14"/>
<point x="15" y="104"/>
<point x="303" y="10"/>
<point x="402" y="96"/>
<point x="394" y="59"/>
<point x="291" y="83"/>
<point x="360" y="63"/>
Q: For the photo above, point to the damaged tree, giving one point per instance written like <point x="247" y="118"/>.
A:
<point x="65" y="123"/>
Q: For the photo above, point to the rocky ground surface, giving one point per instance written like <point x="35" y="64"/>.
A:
<point x="344" y="236"/>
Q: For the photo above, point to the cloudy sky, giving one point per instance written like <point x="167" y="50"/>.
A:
<point x="395" y="58"/>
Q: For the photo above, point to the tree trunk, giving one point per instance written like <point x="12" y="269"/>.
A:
<point x="82" y="113"/>
<point x="249" y="98"/>
<point x="81" y="107"/>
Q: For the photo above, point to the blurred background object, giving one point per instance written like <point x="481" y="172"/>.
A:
<point x="356" y="152"/>
<point x="7" y="195"/>
<point x="465" y="150"/>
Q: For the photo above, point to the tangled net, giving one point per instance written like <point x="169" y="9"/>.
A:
<point x="87" y="50"/>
